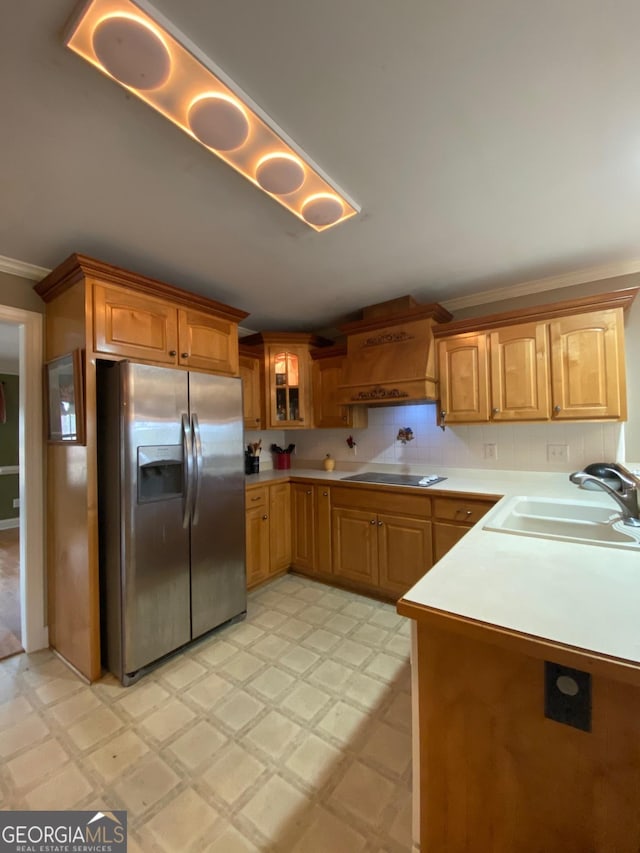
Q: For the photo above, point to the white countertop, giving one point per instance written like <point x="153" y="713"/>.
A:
<point x="584" y="596"/>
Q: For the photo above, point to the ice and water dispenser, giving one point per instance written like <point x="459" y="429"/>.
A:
<point x="160" y="475"/>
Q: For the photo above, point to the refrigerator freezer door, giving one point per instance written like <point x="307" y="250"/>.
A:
<point x="218" y="584"/>
<point x="155" y="544"/>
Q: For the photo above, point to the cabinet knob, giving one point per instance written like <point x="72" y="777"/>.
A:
<point x="325" y="494"/>
<point x="344" y="418"/>
<point x="308" y="491"/>
<point x="172" y="352"/>
<point x="495" y="410"/>
<point x="443" y="418"/>
<point x="373" y="521"/>
<point x="379" y="524"/>
<point x="265" y="517"/>
<point x="184" y="355"/>
<point x="557" y="409"/>
<point x="255" y="499"/>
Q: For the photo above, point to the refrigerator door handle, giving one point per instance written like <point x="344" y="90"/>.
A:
<point x="187" y="452"/>
<point x="198" y="465"/>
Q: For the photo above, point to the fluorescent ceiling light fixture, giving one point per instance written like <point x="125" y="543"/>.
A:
<point x="138" y="47"/>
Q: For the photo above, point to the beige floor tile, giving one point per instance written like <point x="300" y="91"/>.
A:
<point x="399" y="644"/>
<point x="272" y="682"/>
<point x="344" y="723"/>
<point x="181" y="823"/>
<point x="387" y="667"/>
<point x="370" y="635"/>
<point x="295" y="629"/>
<point x="315" y="761"/>
<point x="65" y="789"/>
<point x="351" y="652"/>
<point x="233" y="773"/>
<point x="274" y="734"/>
<point x="278" y="810"/>
<point x="14" y="711"/>
<point x="387" y="618"/>
<point x="238" y="710"/>
<point x="37" y="763"/>
<point x="272" y="647"/>
<point x="142" y="698"/>
<point x="184" y="672"/>
<point x="367" y="692"/>
<point x="364" y="792"/>
<point x="25" y="733"/>
<point x="242" y="666"/>
<point x="310" y="593"/>
<point x="317" y="615"/>
<point x="298" y="659"/>
<point x="399" y="711"/>
<point x="270" y="619"/>
<point x="57" y="688"/>
<point x="388" y="747"/>
<point x="321" y="640"/>
<point x="332" y="675"/>
<point x="95" y="728"/>
<point x="290" y="605"/>
<point x="328" y="834"/>
<point x="231" y="841"/>
<point x="216" y="651"/>
<point x="305" y="701"/>
<point x="120" y="753"/>
<point x="75" y="707"/>
<point x="200" y="743"/>
<point x="210" y="690"/>
<point x="340" y="624"/>
<point x="358" y="610"/>
<point x="151" y="780"/>
<point x="166" y="721"/>
<point x="332" y="600"/>
<point x="245" y="634"/>
<point x="400" y="829"/>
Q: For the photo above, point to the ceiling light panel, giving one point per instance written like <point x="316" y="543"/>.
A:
<point x="139" y="48"/>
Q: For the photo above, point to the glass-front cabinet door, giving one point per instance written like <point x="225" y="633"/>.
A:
<point x="288" y="385"/>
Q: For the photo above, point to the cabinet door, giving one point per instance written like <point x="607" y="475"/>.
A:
<point x="587" y="366"/>
<point x="128" y="324"/>
<point x="207" y="342"/>
<point x="355" y="544"/>
<point x="303" y="513"/>
<point x="279" y="527"/>
<point x="289" y="394"/>
<point x="327" y="412"/>
<point x="519" y="373"/>
<point x="404" y="551"/>
<point x="464" y="378"/>
<point x="257" y="543"/>
<point x="323" y="529"/>
<point x="445" y="537"/>
<point x="251" y="392"/>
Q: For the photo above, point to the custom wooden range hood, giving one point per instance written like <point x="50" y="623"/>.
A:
<point x="391" y="354"/>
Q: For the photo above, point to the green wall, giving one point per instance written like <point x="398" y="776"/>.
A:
<point x="9" y="443"/>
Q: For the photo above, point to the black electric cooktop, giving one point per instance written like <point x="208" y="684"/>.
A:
<point x="422" y="480"/>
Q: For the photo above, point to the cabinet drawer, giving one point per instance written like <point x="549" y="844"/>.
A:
<point x="378" y="500"/>
<point x="461" y="510"/>
<point x="257" y="496"/>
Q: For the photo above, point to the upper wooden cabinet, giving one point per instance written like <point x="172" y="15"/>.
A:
<point x="326" y="374"/>
<point x="287" y="377"/>
<point x="250" y="367"/>
<point x="132" y="325"/>
<point x="565" y="363"/>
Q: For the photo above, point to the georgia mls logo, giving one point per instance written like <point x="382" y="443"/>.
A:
<point x="63" y="832"/>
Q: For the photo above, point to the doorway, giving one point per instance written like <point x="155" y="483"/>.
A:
<point x="30" y="545"/>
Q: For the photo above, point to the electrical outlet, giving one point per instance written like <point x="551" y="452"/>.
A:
<point x="491" y="451"/>
<point x="557" y="452"/>
<point x="16" y="503"/>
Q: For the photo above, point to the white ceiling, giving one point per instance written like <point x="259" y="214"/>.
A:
<point x="487" y="141"/>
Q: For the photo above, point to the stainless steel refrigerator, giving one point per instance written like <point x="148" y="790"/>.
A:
<point x="171" y="510"/>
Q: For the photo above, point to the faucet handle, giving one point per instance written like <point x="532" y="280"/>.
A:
<point x="624" y="475"/>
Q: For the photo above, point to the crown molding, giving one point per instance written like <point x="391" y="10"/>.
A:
<point x="22" y="269"/>
<point x="539" y="285"/>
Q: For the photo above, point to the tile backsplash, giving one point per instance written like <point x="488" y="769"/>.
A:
<point x="516" y="446"/>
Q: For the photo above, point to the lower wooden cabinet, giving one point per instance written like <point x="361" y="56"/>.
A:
<point x="268" y="532"/>
<point x="452" y="518"/>
<point x="311" y="528"/>
<point x="381" y="540"/>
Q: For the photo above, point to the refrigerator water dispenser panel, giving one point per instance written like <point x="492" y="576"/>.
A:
<point x="160" y="474"/>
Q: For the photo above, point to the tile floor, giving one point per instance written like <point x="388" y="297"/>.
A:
<point x="287" y="732"/>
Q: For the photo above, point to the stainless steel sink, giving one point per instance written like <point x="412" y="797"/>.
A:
<point x="570" y="521"/>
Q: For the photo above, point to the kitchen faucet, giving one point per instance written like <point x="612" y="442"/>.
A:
<point x="626" y="498"/>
